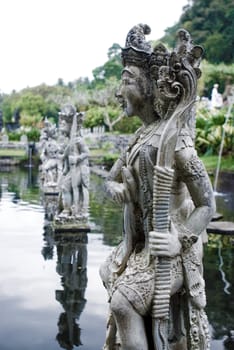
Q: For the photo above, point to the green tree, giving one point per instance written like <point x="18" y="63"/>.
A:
<point x="111" y="69"/>
<point x="105" y="98"/>
<point x="222" y="74"/>
<point x="32" y="105"/>
<point x="94" y="117"/>
<point x="211" y="23"/>
<point x="60" y="82"/>
<point x="7" y="108"/>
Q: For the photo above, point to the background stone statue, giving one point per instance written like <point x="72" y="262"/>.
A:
<point x="49" y="155"/>
<point x="74" y="179"/>
<point x="154" y="276"/>
<point x="1" y="121"/>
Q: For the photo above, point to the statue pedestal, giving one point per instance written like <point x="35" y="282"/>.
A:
<point x="78" y="237"/>
<point x="221" y="227"/>
<point x="50" y="190"/>
<point x="71" y="224"/>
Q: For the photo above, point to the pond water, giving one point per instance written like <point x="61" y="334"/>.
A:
<point x="51" y="296"/>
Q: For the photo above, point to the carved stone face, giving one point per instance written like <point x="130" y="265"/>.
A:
<point x="64" y="127"/>
<point x="132" y="92"/>
<point x="80" y="118"/>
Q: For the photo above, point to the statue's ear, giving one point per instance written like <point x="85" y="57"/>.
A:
<point x="197" y="51"/>
<point x="160" y="48"/>
<point x="198" y="72"/>
<point x="80" y="114"/>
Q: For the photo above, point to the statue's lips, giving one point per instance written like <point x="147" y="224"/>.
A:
<point x="122" y="102"/>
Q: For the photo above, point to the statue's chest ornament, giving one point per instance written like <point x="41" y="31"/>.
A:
<point x="149" y="136"/>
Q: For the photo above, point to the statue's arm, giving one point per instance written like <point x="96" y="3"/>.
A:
<point x="183" y="234"/>
<point x="77" y="151"/>
<point x="83" y="151"/>
<point x="115" y="187"/>
<point x="193" y="173"/>
<point x="115" y="173"/>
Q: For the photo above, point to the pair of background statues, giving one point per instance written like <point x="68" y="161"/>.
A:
<point x="65" y="164"/>
<point x="154" y="277"/>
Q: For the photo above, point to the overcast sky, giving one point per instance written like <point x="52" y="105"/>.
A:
<point x="44" y="40"/>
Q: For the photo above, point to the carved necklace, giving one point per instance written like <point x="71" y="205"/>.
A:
<point x="141" y="139"/>
<point x="148" y="132"/>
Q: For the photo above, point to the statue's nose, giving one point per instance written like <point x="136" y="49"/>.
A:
<point x="119" y="97"/>
<point x="118" y="94"/>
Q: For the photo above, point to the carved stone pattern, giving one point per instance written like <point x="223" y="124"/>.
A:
<point x="136" y="283"/>
<point x="188" y="241"/>
<point x="193" y="277"/>
<point x="186" y="236"/>
<point x="199" y="330"/>
<point x="193" y="169"/>
<point x="143" y="171"/>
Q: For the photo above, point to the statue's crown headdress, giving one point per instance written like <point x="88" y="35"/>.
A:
<point x="67" y="113"/>
<point x="139" y="52"/>
<point x="173" y="74"/>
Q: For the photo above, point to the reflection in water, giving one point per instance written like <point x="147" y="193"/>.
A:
<point x="105" y="213"/>
<point x="50" y="203"/>
<point x="223" y="275"/>
<point x="225" y="197"/>
<point x="54" y="298"/>
<point x="71" y="249"/>
<point x="219" y="258"/>
<point x="229" y="341"/>
<point x="48" y="247"/>
<point x="72" y="267"/>
<point x="23" y="184"/>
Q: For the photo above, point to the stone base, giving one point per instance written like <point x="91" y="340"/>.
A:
<point x="221" y="227"/>
<point x="217" y="216"/>
<point x="71" y="237"/>
<point x="50" y="190"/>
<point x="70" y="224"/>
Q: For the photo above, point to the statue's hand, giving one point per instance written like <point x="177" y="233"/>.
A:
<point x="164" y="243"/>
<point x="129" y="182"/>
<point x="119" y="192"/>
<point x="72" y="160"/>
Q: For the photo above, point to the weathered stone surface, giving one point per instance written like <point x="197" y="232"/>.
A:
<point x="217" y="216"/>
<point x="154" y="276"/>
<point x="70" y="224"/>
<point x="73" y="182"/>
<point x="48" y="149"/>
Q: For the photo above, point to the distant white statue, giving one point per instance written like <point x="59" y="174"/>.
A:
<point x="216" y="98"/>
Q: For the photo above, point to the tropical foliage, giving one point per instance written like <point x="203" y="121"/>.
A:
<point x="212" y="24"/>
<point x="221" y="73"/>
<point x="211" y="127"/>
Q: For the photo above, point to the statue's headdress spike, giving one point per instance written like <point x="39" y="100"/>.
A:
<point x="67" y="113"/>
<point x="173" y="74"/>
<point x="137" y="50"/>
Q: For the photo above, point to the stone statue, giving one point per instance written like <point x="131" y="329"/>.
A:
<point x="216" y="98"/>
<point x="1" y="121"/>
<point x="74" y="180"/>
<point x="49" y="156"/>
<point x="154" y="276"/>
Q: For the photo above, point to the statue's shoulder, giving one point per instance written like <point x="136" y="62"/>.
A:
<point x="184" y="140"/>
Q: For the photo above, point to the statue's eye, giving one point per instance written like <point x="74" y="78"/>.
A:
<point x="126" y="81"/>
